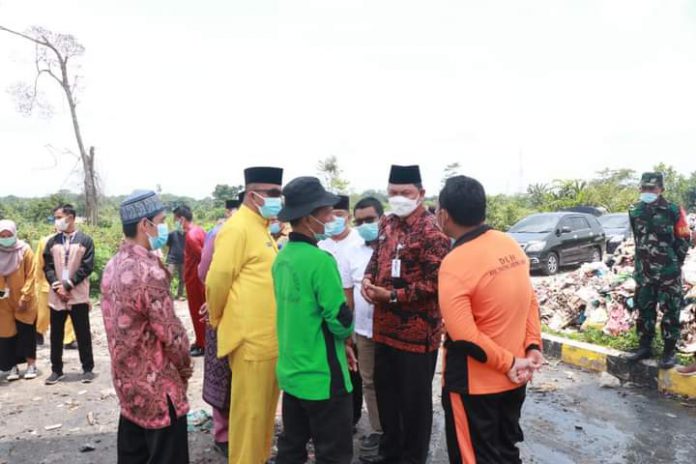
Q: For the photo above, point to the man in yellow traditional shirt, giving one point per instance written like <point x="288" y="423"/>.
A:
<point x="242" y="308"/>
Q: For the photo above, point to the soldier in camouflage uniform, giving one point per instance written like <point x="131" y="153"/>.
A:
<point x="661" y="247"/>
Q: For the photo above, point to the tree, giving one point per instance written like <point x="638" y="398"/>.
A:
<point x="504" y="211"/>
<point x="568" y="193"/>
<point x="331" y="175"/>
<point x="691" y="192"/>
<point x="614" y="190"/>
<point x="54" y="56"/>
<point x="451" y="170"/>
<point x="539" y="195"/>
<point x="676" y="185"/>
<point x="224" y="192"/>
<point x="381" y="195"/>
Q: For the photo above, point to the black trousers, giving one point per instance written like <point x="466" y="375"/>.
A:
<point x="137" y="445"/>
<point x="404" y="382"/>
<point x="484" y="427"/>
<point x="79" y="314"/>
<point x="329" y="424"/>
<point x="356" y="380"/>
<point x="18" y="348"/>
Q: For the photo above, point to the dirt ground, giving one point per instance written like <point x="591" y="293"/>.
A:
<point x="87" y="414"/>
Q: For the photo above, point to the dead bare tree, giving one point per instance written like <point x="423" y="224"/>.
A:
<point x="54" y="53"/>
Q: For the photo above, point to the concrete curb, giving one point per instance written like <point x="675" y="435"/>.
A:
<point x="599" y="359"/>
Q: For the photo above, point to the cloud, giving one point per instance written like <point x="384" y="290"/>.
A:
<point x="186" y="95"/>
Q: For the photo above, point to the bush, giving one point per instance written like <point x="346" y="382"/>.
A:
<point x="106" y="243"/>
<point x="625" y="342"/>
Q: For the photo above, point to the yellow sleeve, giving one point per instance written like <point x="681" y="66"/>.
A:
<point x="229" y="258"/>
<point x="39" y="262"/>
<point x="28" y="289"/>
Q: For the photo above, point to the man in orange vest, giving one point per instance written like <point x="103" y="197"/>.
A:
<point x="491" y="316"/>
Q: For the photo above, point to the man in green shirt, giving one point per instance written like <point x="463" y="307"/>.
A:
<point x="314" y="325"/>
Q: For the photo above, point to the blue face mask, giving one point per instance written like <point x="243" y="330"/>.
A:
<point x="8" y="242"/>
<point x="335" y="227"/>
<point x="369" y="232"/>
<point x="271" y="206"/>
<point x="161" y="239"/>
<point x="321" y="236"/>
<point x="647" y="197"/>
<point x="274" y="229"/>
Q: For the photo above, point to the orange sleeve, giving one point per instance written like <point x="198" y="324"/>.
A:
<point x="28" y="290"/>
<point x="455" y="304"/>
<point x="533" y="338"/>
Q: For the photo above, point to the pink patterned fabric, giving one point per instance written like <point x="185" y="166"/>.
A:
<point x="149" y="348"/>
<point x="220" y="425"/>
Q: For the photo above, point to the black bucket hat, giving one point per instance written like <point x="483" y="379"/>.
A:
<point x="302" y="196"/>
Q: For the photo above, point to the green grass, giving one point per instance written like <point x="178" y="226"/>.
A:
<point x="624" y="342"/>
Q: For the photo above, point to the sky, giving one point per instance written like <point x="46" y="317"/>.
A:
<point x="187" y="94"/>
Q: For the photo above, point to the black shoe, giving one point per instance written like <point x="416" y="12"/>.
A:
<point x="640" y="354"/>
<point x="39" y="340"/>
<point x="70" y="346"/>
<point x="669" y="358"/>
<point x="668" y="361"/>
<point x="197" y="352"/>
<point x="88" y="377"/>
<point x="54" y="378"/>
<point x="374" y="459"/>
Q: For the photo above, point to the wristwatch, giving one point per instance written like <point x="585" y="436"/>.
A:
<point x="392" y="297"/>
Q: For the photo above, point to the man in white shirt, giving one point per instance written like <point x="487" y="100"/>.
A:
<point x="341" y="237"/>
<point x="367" y="214"/>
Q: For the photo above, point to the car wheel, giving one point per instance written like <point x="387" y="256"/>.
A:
<point x="596" y="255"/>
<point x="551" y="264"/>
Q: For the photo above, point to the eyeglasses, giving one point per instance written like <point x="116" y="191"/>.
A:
<point x="367" y="220"/>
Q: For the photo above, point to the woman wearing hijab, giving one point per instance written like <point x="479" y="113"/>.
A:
<point x="17" y="304"/>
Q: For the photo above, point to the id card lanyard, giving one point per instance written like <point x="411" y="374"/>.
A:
<point x="66" y="271"/>
<point x="396" y="263"/>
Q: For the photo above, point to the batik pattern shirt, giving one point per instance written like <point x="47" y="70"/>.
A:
<point x="149" y="349"/>
<point x="414" y="322"/>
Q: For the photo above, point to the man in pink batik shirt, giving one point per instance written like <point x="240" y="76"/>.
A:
<point x="149" y="349"/>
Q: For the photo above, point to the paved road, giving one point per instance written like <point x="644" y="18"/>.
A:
<point x="570" y="418"/>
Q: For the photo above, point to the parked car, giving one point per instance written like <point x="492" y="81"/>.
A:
<point x="554" y="240"/>
<point x="617" y="226"/>
<point x="593" y="210"/>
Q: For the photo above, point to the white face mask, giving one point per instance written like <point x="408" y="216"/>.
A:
<point x="61" y="225"/>
<point x="403" y="206"/>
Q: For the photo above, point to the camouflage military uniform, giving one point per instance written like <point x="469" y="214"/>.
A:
<point x="660" y="254"/>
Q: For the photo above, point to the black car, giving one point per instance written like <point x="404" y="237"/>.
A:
<point x="617" y="226"/>
<point x="553" y="240"/>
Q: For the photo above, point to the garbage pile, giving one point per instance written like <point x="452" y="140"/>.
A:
<point x="688" y="314"/>
<point x="601" y="296"/>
